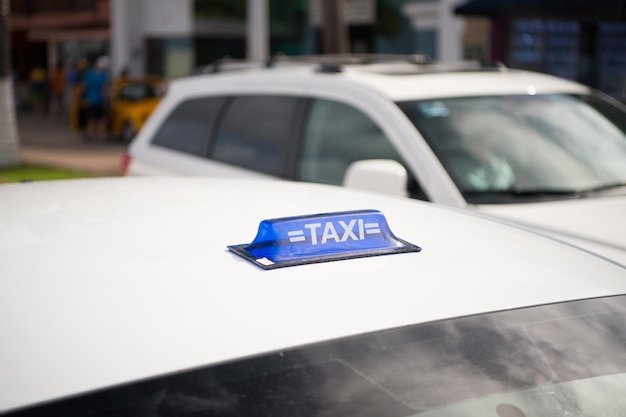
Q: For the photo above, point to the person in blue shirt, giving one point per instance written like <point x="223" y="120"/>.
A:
<point x="95" y="82"/>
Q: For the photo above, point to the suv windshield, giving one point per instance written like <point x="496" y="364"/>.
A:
<point x="502" y="148"/>
<point x="566" y="359"/>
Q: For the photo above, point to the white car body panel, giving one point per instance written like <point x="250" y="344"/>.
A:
<point x="465" y="84"/>
<point x="113" y="280"/>
<point x="189" y="165"/>
<point x="396" y="88"/>
<point x="593" y="223"/>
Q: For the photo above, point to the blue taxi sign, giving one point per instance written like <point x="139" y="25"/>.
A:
<point x="299" y="240"/>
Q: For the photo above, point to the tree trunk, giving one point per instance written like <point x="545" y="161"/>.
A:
<point x="334" y="30"/>
<point x="9" y="140"/>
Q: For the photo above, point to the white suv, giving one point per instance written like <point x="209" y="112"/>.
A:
<point x="538" y="150"/>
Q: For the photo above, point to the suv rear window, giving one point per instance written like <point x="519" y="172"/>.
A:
<point x="188" y="128"/>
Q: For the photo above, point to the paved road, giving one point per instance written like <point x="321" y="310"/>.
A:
<point x="49" y="141"/>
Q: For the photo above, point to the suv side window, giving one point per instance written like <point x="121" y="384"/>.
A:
<point x="336" y="135"/>
<point x="188" y="128"/>
<point x="257" y="133"/>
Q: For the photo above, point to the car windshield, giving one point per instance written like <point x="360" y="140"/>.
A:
<point x="138" y="91"/>
<point x="502" y="149"/>
<point x="566" y="359"/>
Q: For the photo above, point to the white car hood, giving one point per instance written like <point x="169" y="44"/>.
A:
<point x="113" y="280"/>
<point x="596" y="224"/>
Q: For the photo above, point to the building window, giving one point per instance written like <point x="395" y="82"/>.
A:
<point x="171" y="58"/>
<point x="46" y="6"/>
<point x="549" y="46"/>
<point x="612" y="59"/>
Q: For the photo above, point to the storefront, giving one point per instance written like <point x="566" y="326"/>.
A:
<point x="48" y="35"/>
<point x="582" y="40"/>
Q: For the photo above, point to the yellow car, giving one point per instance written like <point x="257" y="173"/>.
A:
<point x="132" y="101"/>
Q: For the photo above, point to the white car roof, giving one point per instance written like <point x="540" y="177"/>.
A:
<point x="106" y="281"/>
<point x="397" y="86"/>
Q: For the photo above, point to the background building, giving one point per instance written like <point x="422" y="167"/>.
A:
<point x="45" y="33"/>
<point x="175" y="38"/>
<point x="583" y="40"/>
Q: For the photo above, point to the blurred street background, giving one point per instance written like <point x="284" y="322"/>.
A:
<point x="49" y="141"/>
<point x="48" y="44"/>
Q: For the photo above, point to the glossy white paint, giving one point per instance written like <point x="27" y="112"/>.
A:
<point x="383" y="175"/>
<point x="593" y="223"/>
<point x="460" y="84"/>
<point x="112" y="280"/>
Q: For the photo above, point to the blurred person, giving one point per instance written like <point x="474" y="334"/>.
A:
<point x="95" y="82"/>
<point x="75" y="86"/>
<point x="38" y="88"/>
<point x="57" y="90"/>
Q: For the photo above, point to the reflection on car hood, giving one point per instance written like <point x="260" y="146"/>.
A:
<point x="596" y="224"/>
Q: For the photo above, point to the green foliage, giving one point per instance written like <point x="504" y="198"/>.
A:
<point x="220" y="9"/>
<point x="37" y="173"/>
<point x="388" y="18"/>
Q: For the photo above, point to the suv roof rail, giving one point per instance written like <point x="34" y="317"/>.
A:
<point x="324" y="62"/>
<point x="332" y="63"/>
<point x="353" y="59"/>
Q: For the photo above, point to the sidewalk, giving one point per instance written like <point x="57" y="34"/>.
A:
<point x="49" y="141"/>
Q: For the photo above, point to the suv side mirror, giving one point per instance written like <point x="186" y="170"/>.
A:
<point x="380" y="175"/>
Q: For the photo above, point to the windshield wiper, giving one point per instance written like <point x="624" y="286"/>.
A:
<point x="605" y="187"/>
<point x="525" y="193"/>
<point x="515" y="195"/>
<point x="537" y="194"/>
<point x="540" y="192"/>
